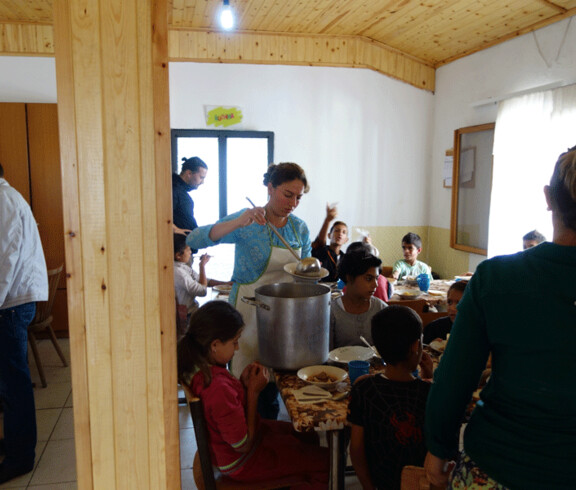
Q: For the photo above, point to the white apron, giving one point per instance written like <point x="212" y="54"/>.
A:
<point x="274" y="272"/>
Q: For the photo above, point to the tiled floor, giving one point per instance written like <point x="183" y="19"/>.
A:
<point x="55" y="467"/>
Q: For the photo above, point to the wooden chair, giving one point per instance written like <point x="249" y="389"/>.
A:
<point x="43" y="323"/>
<point x="430" y="316"/>
<point x="418" y="305"/>
<point x="414" y="478"/>
<point x="386" y="270"/>
<point x="202" y="465"/>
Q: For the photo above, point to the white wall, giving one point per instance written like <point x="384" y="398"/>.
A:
<point x="501" y="71"/>
<point x="363" y="138"/>
<point x="27" y="79"/>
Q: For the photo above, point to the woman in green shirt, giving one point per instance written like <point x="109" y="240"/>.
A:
<point x="522" y="309"/>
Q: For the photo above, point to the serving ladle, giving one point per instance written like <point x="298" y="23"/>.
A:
<point x="307" y="265"/>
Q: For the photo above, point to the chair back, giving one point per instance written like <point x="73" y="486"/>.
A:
<point x="44" y="308"/>
<point x="201" y="432"/>
<point x="386" y="270"/>
<point x="418" y="305"/>
<point x="430" y="316"/>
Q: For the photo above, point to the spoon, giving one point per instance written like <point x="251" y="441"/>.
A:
<point x="369" y="345"/>
<point x="306" y="265"/>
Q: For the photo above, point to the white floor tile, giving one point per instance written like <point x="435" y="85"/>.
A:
<point x="53" y="396"/>
<point x="46" y="421"/>
<point x="65" y="426"/>
<point x="187" y="480"/>
<point x="57" y="464"/>
<point x="187" y="448"/>
<point x="55" y="486"/>
<point x="184" y="417"/>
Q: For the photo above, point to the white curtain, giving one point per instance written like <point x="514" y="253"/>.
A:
<point x="531" y="132"/>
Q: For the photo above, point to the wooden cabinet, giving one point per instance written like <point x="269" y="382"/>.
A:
<point x="30" y="155"/>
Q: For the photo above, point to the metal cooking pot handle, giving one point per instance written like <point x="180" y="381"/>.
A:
<point x="254" y="302"/>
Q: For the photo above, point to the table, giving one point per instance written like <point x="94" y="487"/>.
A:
<point x="440" y="285"/>
<point x="329" y="416"/>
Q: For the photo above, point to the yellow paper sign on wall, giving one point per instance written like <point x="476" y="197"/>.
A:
<point x="223" y="116"/>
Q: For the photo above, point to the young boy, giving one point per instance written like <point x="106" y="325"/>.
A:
<point x="439" y="329"/>
<point x="386" y="411"/>
<point x="188" y="284"/>
<point x="329" y="255"/>
<point x="410" y="266"/>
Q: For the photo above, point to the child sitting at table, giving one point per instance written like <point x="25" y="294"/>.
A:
<point x="329" y="255"/>
<point x="384" y="291"/>
<point x="439" y="329"/>
<point x="409" y="265"/>
<point x="188" y="284"/>
<point x="386" y="410"/>
<point x="243" y="447"/>
<point x="350" y="315"/>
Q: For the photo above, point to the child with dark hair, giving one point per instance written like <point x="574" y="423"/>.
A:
<point x="242" y="446"/>
<point x="386" y="411"/>
<point x="439" y="329"/>
<point x="409" y="265"/>
<point x="189" y="284"/>
<point x="532" y="238"/>
<point x="329" y="254"/>
<point x="350" y="315"/>
<point x="384" y="291"/>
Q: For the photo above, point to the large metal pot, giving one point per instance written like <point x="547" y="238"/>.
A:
<point x="293" y="324"/>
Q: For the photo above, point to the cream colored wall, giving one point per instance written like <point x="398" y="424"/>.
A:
<point x="436" y="251"/>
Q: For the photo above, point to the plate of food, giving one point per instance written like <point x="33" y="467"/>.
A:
<point x="462" y="278"/>
<point x="438" y="345"/>
<point x="307" y="276"/>
<point x="322" y="376"/>
<point x="436" y="292"/>
<point x="411" y="294"/>
<point x="223" y="288"/>
<point x="351" y="353"/>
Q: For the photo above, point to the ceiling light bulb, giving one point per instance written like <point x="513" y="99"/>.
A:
<point x="226" y="16"/>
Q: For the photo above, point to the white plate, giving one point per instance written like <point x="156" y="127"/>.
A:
<point x="311" y="276"/>
<point x="435" y="292"/>
<point x="307" y="372"/>
<point x="462" y="278"/>
<point x="438" y="345"/>
<point x="350" y="353"/>
<point x="223" y="288"/>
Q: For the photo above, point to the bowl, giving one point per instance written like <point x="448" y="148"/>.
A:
<point x="410" y="294"/>
<point x="351" y="353"/>
<point x="308" y="276"/>
<point x="335" y="374"/>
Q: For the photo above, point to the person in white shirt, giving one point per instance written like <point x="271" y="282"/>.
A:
<point x="23" y="281"/>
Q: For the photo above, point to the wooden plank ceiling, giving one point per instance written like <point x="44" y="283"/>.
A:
<point x="407" y="39"/>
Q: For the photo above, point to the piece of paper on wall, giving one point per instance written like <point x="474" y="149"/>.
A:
<point x="447" y="171"/>
<point x="220" y="116"/>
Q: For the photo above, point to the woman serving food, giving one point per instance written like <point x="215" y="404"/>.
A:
<point x="260" y="256"/>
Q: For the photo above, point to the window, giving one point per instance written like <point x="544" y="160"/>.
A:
<point x="237" y="161"/>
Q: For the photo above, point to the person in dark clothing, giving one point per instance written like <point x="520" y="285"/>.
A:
<point x="191" y="177"/>
<point x="329" y="254"/>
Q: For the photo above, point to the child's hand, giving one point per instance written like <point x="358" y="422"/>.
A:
<point x="204" y="259"/>
<point x="331" y="212"/>
<point x="426" y="366"/>
<point x="257" y="377"/>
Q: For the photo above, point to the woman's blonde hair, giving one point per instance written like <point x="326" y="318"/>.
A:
<point x="563" y="187"/>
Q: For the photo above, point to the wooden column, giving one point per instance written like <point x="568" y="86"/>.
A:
<point x="112" y="80"/>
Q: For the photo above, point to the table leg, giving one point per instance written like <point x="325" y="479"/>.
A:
<point x="337" y="449"/>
